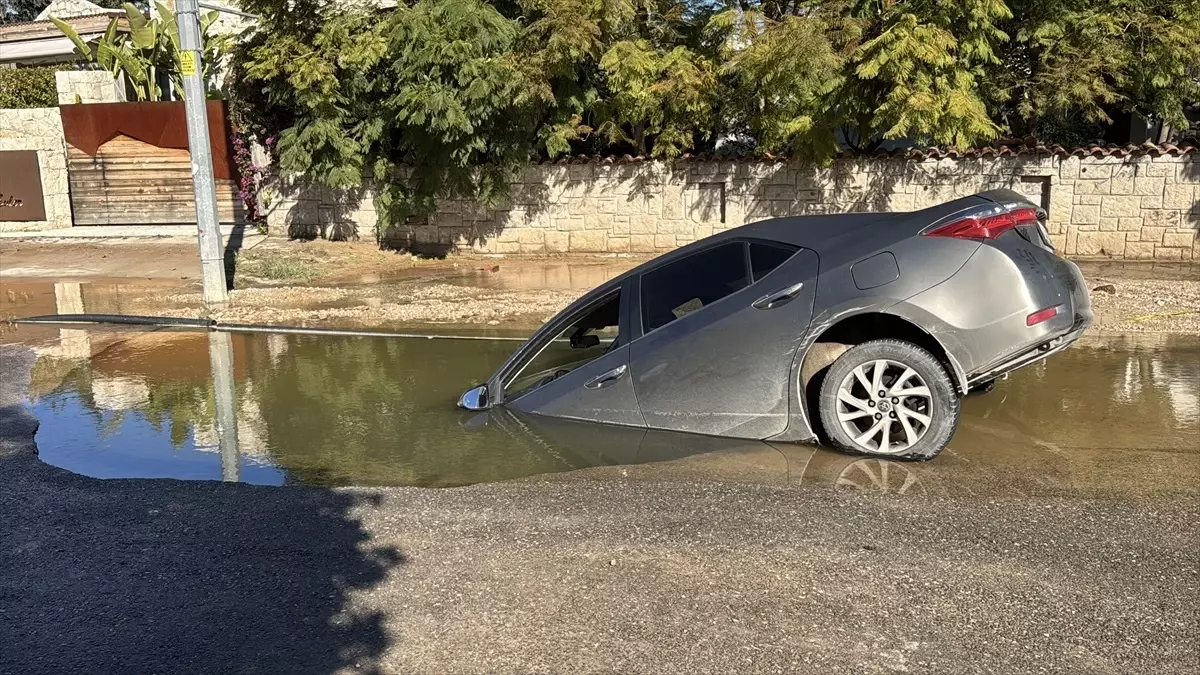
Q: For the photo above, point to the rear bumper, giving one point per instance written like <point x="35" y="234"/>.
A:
<point x="1033" y="355"/>
<point x="1073" y="318"/>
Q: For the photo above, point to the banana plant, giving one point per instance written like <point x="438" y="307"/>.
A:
<point x="149" y="49"/>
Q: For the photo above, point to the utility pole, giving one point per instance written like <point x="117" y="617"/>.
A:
<point x="212" y="261"/>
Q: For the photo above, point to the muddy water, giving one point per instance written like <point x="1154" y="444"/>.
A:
<point x="1113" y="418"/>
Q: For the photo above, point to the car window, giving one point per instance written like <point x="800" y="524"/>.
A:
<point x="588" y="337"/>
<point x="766" y="257"/>
<point x="686" y="285"/>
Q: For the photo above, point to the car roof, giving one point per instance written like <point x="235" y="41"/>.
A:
<point x="822" y="233"/>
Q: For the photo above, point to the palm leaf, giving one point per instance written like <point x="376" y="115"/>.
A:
<point x="137" y="20"/>
<point x="81" y="48"/>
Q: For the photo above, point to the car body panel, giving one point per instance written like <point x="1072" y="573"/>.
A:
<point x="729" y="369"/>
<point x="572" y="397"/>
<point x="723" y="370"/>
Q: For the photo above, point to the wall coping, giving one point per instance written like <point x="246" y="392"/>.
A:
<point x="1186" y="147"/>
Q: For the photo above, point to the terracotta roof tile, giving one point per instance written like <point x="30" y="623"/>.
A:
<point x="1015" y="149"/>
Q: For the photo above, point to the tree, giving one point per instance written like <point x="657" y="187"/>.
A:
<point x="449" y="98"/>
<point x="435" y="88"/>
<point x="870" y="69"/>
<point x="1082" y="60"/>
<point x="622" y="74"/>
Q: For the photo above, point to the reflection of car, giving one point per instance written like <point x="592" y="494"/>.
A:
<point x="913" y="310"/>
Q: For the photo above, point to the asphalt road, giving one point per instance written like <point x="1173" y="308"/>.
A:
<point x="579" y="574"/>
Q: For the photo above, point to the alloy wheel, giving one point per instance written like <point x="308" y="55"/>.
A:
<point x="884" y="406"/>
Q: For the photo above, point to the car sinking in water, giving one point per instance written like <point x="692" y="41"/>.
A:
<point x="863" y="331"/>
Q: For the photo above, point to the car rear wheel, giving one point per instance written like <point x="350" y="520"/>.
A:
<point x="889" y="398"/>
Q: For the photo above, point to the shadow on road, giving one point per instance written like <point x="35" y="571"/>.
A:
<point x="233" y="246"/>
<point x="182" y="577"/>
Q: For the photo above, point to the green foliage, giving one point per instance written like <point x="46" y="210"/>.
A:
<point x="149" y="51"/>
<point x="28" y="87"/>
<point x="617" y="75"/>
<point x="1087" y="58"/>
<point x="667" y="95"/>
<point x="870" y="70"/>
<point x="435" y="87"/>
<point x="277" y="267"/>
<point x="462" y="92"/>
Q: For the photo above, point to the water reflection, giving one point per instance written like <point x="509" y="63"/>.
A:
<point x="1119" y="419"/>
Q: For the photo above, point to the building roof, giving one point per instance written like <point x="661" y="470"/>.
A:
<point x="45" y="29"/>
<point x="70" y="9"/>
<point x="33" y="42"/>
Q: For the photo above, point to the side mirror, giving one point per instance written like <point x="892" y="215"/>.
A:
<point x="474" y="399"/>
<point x="584" y="341"/>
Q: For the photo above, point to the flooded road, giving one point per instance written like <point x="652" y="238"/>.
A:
<point x="1111" y="418"/>
<point x="1057" y="533"/>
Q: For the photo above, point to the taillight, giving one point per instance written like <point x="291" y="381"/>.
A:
<point x="986" y="227"/>
<point x="1041" y="315"/>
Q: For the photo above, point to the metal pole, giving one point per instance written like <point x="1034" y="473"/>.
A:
<point x="212" y="261"/>
<point x="220" y="361"/>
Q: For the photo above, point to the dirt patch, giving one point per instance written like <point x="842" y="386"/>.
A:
<point x="355" y="284"/>
<point x="373" y="306"/>
<point x="108" y="258"/>
<point x="1121" y="305"/>
<point x="1126" y="301"/>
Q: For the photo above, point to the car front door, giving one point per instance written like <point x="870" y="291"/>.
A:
<point x="580" y="368"/>
<point x="721" y="328"/>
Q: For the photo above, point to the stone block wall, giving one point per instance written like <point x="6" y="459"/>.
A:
<point x="1119" y="204"/>
<point x="87" y="86"/>
<point x="40" y="129"/>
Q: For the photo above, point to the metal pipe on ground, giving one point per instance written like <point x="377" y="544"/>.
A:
<point x="213" y="325"/>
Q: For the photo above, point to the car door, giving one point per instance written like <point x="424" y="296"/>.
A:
<point x="573" y="377"/>
<point x="721" y="328"/>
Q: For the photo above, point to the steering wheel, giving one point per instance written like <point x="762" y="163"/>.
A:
<point x="550" y="378"/>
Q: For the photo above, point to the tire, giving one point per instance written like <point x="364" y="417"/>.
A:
<point x="916" y="426"/>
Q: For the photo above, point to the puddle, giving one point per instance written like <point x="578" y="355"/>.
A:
<point x="550" y="275"/>
<point x="1113" y="418"/>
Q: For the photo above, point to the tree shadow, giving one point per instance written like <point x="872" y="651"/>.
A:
<point x="315" y="212"/>
<point x="141" y="576"/>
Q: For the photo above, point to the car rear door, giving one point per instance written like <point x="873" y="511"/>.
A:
<point x="719" y="361"/>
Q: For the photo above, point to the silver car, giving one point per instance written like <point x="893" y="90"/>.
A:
<point x="861" y="330"/>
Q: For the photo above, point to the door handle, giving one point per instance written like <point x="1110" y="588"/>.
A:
<point x="606" y="378"/>
<point x="779" y="297"/>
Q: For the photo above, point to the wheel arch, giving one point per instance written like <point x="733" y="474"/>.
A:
<point x="861" y="327"/>
<point x="876" y="325"/>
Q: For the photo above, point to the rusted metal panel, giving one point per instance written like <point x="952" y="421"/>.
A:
<point x="21" y="197"/>
<point x="160" y="124"/>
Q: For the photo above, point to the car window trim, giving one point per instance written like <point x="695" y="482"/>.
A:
<point x="791" y="248"/>
<point x="638" y="326"/>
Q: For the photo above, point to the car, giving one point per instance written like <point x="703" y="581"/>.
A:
<point x="863" y="331"/>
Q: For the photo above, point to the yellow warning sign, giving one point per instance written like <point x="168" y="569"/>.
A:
<point x="187" y="62"/>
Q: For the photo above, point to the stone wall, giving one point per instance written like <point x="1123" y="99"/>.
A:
<point x="40" y="129"/>
<point x="87" y="86"/>
<point x="1126" y="204"/>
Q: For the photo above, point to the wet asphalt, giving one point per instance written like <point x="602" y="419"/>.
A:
<point x="577" y="574"/>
